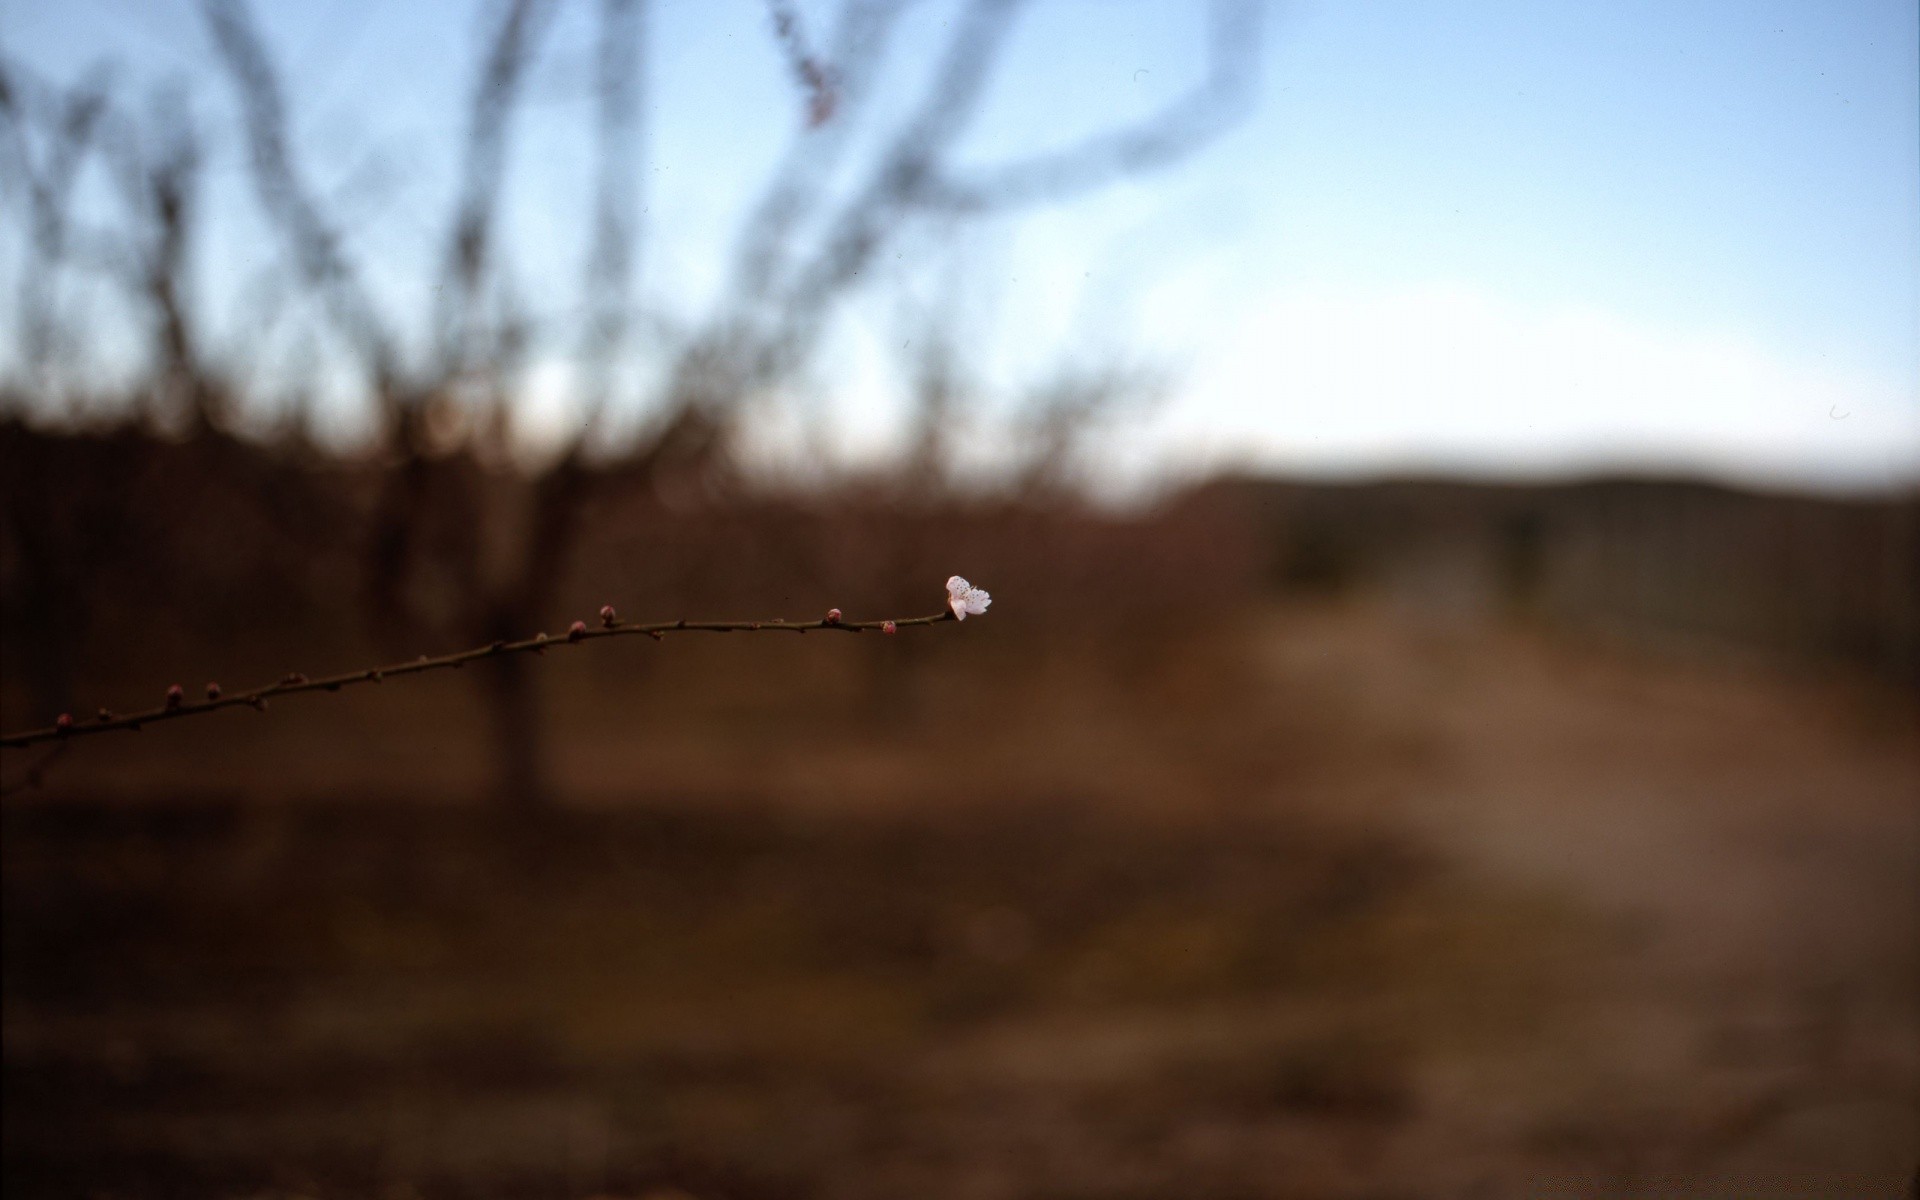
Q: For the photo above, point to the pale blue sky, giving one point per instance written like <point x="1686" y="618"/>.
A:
<point x="1517" y="237"/>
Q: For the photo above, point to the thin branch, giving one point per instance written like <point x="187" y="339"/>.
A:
<point x="72" y="123"/>
<point x="483" y="171"/>
<point x="765" y="337"/>
<point x="815" y="77"/>
<point x="159" y="169"/>
<point x="946" y="108"/>
<point x="612" y="259"/>
<point x="1175" y="132"/>
<point x="859" y="49"/>
<point x="178" y="706"/>
<point x="315" y="243"/>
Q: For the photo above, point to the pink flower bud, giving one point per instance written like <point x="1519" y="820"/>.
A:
<point x="63" y="722"/>
<point x="889" y="627"/>
<point x="576" y="631"/>
<point x="175" y="697"/>
<point x="608" y="618"/>
<point x="213" y="691"/>
<point x="833" y="616"/>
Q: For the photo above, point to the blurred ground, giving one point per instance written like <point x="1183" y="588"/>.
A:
<point x="1326" y="899"/>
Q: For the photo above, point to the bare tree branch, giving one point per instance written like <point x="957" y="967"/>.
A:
<point x="72" y="126"/>
<point x="482" y="172"/>
<point x="785" y="293"/>
<point x="158" y="169"/>
<point x="315" y="244"/>
<point x="176" y="705"/>
<point x="815" y="76"/>
<point x="948" y="105"/>
<point x="859" y="47"/>
<point x="768" y="333"/>
<point x="1174" y="133"/>
<point x="613" y="257"/>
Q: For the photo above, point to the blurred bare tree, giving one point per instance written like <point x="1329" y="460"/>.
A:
<point x="465" y="541"/>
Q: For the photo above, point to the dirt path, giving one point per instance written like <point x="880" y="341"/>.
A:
<point x="1749" y="839"/>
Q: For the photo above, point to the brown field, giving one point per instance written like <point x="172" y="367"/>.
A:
<point x="1330" y="898"/>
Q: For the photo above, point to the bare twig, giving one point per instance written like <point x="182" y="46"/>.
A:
<point x="613" y="258"/>
<point x="815" y="77"/>
<point x="71" y="125"/>
<point x="1177" y="131"/>
<point x="159" y="172"/>
<point x="858" y="50"/>
<point x="315" y="243"/>
<point x="470" y="248"/>
<point x="178" y="706"/>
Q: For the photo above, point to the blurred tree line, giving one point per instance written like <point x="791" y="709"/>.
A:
<point x="439" y="530"/>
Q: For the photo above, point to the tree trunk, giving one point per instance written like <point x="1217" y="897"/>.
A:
<point x="519" y="738"/>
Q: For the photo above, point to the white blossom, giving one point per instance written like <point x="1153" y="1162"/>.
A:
<point x="964" y="598"/>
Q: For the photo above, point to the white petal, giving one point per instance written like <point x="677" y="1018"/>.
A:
<point x="957" y="586"/>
